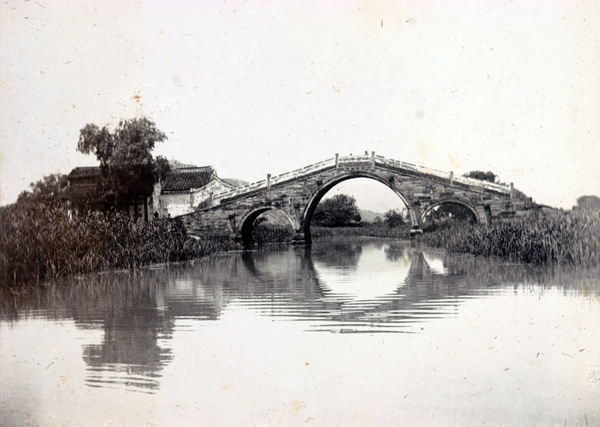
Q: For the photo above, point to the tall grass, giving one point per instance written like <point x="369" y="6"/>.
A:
<point x="44" y="243"/>
<point x="561" y="238"/>
<point x="271" y="234"/>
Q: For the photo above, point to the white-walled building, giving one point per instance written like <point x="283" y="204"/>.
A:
<point x="182" y="191"/>
<point x="186" y="189"/>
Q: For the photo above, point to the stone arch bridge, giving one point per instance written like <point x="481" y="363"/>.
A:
<point x="297" y="193"/>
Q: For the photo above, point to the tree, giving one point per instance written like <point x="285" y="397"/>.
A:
<point x="588" y="203"/>
<point x="447" y="213"/>
<point x="47" y="191"/>
<point x="129" y="171"/>
<point x="482" y="176"/>
<point x="454" y="211"/>
<point x="339" y="211"/>
<point x="394" y="218"/>
<point x="161" y="169"/>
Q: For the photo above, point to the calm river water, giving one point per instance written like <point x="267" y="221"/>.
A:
<point x="343" y="333"/>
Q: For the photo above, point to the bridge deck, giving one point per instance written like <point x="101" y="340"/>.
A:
<point x="368" y="160"/>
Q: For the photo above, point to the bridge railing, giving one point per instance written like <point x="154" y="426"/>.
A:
<point x="360" y="158"/>
<point x="303" y="171"/>
<point x="483" y="184"/>
<point x="441" y="174"/>
<point x="275" y="179"/>
<point x="345" y="161"/>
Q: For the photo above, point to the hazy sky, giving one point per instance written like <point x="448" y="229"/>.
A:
<point x="254" y="87"/>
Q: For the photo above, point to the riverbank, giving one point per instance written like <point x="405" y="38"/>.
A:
<point x="44" y="244"/>
<point x="562" y="238"/>
<point x="365" y="230"/>
<point x="262" y="234"/>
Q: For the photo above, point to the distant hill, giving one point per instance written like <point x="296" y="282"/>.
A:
<point x="275" y="218"/>
<point x="235" y="182"/>
<point x="176" y="164"/>
<point x="369" y="216"/>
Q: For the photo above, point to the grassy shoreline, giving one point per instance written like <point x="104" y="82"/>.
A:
<point x="556" y="239"/>
<point x="43" y="244"/>
<point x="366" y="231"/>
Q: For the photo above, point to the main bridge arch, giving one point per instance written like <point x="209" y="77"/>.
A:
<point x="319" y="193"/>
<point x="297" y="194"/>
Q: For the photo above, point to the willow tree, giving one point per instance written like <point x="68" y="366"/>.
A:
<point x="128" y="168"/>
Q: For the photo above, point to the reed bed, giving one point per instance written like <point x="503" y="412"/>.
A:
<point x="271" y="234"/>
<point x="46" y="243"/>
<point x="562" y="238"/>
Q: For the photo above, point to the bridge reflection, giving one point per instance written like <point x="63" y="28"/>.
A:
<point x="351" y="287"/>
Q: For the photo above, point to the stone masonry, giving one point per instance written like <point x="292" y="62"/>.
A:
<point x="297" y="194"/>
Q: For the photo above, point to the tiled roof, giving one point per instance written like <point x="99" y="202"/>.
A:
<point x="84" y="172"/>
<point x="177" y="180"/>
<point x="182" y="180"/>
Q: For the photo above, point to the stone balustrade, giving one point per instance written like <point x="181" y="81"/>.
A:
<point x="440" y="174"/>
<point x="355" y="160"/>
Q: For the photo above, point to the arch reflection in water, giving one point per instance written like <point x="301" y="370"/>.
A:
<point x="347" y="286"/>
<point x="131" y="318"/>
<point x="370" y="277"/>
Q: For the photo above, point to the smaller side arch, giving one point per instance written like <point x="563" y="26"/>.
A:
<point x="450" y="201"/>
<point x="247" y="222"/>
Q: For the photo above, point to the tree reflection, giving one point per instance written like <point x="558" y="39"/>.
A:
<point x="130" y="343"/>
<point x="339" y="254"/>
<point x="395" y="251"/>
